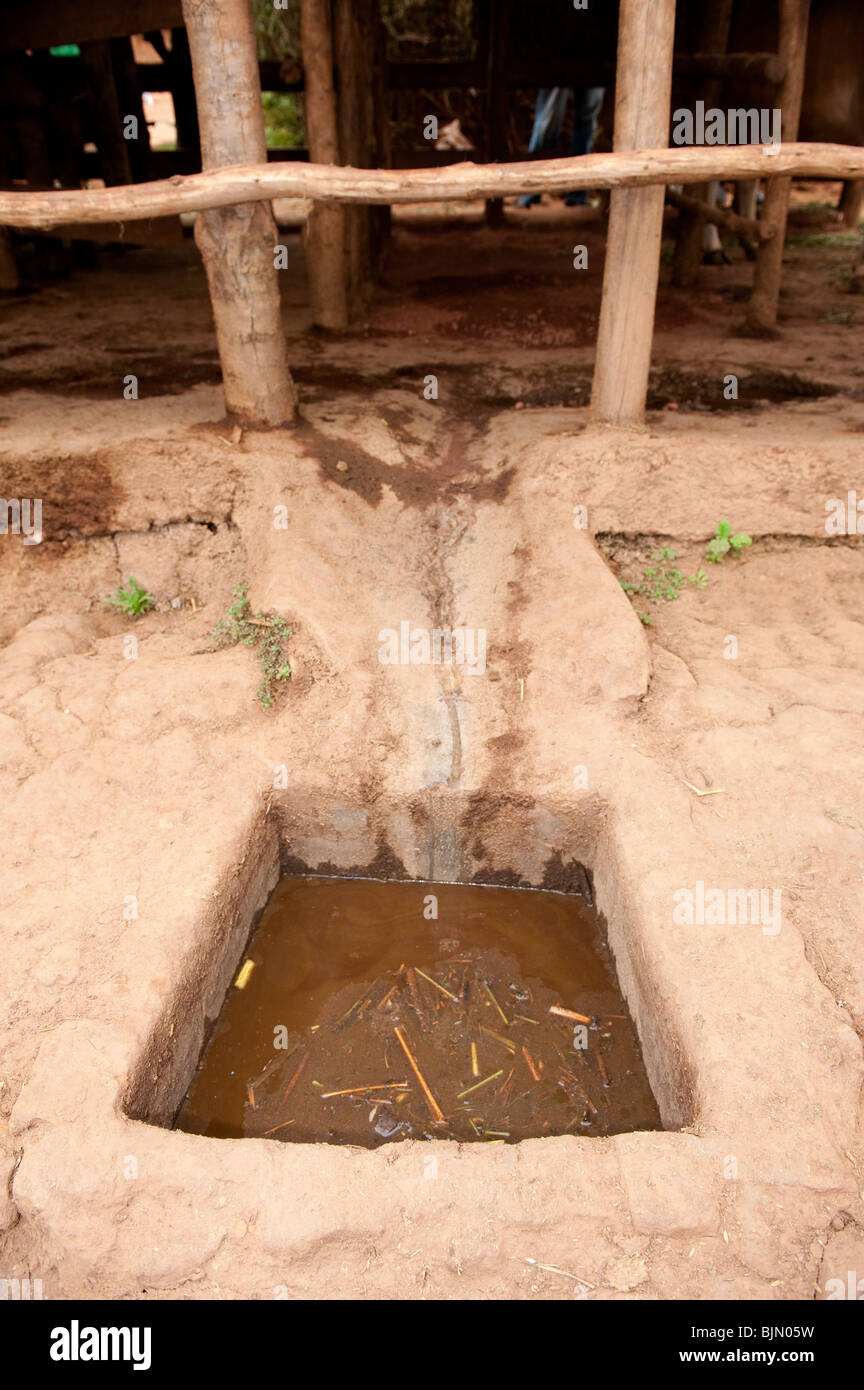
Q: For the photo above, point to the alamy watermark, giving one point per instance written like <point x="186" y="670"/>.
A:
<point x="720" y="907"/>
<point x="22" y="518"/>
<point x="437" y="646"/>
<point x="844" y="516"/>
<point x="737" y="126"/>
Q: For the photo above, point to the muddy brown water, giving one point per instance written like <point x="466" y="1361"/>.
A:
<point x="363" y="1018"/>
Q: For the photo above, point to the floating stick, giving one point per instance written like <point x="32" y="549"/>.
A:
<point x="436" y="984"/>
<point x="505" y="1084"/>
<point x="505" y="1020"/>
<point x="358" y="1090"/>
<point x="530" y="1061"/>
<point x="435" y="1108"/>
<point x="284" y="1125"/>
<point x="568" y="1013"/>
<point x="414" y="991"/>
<point x="295" y="1078"/>
<point x="506" y="1042"/>
<point x="250" y="1095"/>
<point x="484" y="1082"/>
<point x="475" y="1069"/>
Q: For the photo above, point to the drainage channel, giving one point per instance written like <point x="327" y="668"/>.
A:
<point x="368" y="1012"/>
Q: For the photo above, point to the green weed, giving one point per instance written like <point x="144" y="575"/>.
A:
<point x="133" y="600"/>
<point x="724" y="541"/>
<point x="661" y="581"/>
<point x="264" y="631"/>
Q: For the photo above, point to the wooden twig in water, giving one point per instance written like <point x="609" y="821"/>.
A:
<point x="503" y="1088"/>
<point x="506" y="1042"/>
<point x="284" y="1125"/>
<point x="278" y="1057"/>
<point x="568" y="1013"/>
<point x="434" y="1107"/>
<point x="478" y="1084"/>
<point x="361" y="1090"/>
<point x="295" y="1078"/>
<point x="414" y="991"/>
<point x="505" y="1020"/>
<point x="530" y="1062"/>
<point x="475" y="1069"/>
<point x="436" y="984"/>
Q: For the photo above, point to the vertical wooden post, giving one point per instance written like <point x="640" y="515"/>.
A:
<point x="713" y="37"/>
<point x="354" y="40"/>
<point x="643" y="87"/>
<point x="850" y="203"/>
<point x="761" y="317"/>
<point x="238" y="243"/>
<point x="324" y="234"/>
<point x="8" y="268"/>
<point x="128" y="85"/>
<point x="107" y="116"/>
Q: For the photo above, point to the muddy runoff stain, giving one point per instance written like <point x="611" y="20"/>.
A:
<point x="367" y="1012"/>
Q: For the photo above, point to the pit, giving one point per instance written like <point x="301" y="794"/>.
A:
<point x="368" y="1012"/>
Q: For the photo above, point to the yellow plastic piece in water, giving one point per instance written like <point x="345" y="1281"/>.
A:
<point x="245" y="971"/>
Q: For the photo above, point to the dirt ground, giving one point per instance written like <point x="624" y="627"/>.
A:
<point x="138" y="777"/>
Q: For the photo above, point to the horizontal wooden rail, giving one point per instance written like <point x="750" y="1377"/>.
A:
<point x="462" y="182"/>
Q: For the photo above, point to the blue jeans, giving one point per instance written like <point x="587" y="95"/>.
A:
<point x="549" y="116"/>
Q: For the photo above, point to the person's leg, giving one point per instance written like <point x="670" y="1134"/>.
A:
<point x="549" y="115"/>
<point x="587" y="104"/>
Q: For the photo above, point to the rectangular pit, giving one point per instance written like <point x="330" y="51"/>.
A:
<point x="336" y="840"/>
<point x="369" y="1012"/>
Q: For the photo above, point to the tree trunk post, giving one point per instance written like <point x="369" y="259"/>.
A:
<point x="238" y="243"/>
<point x="114" y="159"/>
<point x="643" y="89"/>
<point x="324" y="234"/>
<point x="354" y="40"/>
<point x="8" y="268"/>
<point x="761" y="320"/>
<point x="850" y="203"/>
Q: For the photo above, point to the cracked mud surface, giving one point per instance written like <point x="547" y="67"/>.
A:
<point x="138" y="778"/>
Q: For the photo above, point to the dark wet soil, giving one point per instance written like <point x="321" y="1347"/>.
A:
<point x="360" y="1018"/>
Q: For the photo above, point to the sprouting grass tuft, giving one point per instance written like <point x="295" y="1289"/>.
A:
<point x="133" y="600"/>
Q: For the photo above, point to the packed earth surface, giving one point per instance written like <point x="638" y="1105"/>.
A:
<point x="719" y="740"/>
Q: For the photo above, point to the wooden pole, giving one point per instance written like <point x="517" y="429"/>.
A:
<point x="107" y="117"/>
<point x="761" y="317"/>
<point x="8" y="268"/>
<point x="219" y="188"/>
<point x="850" y="203"/>
<point x="715" y="22"/>
<point x="324" y="233"/>
<point x="238" y="243"/>
<point x="354" y="51"/>
<point x="642" y="99"/>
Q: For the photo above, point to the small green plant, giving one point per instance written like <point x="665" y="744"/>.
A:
<point x="724" y="541"/>
<point x="264" y="631"/>
<point x="661" y="581"/>
<point x="133" y="600"/>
